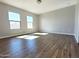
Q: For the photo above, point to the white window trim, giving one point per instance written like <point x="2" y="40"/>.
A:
<point x="14" y="21"/>
<point x="30" y="22"/>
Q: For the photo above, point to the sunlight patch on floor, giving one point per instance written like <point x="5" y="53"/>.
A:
<point x="41" y="33"/>
<point x="29" y="37"/>
<point x="23" y="36"/>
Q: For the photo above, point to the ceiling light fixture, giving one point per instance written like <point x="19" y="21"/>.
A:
<point x="39" y="1"/>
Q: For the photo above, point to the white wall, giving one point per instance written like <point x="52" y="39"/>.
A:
<point x="77" y="21"/>
<point x="59" y="21"/>
<point x="4" y="23"/>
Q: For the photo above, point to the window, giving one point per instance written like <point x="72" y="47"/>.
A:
<point x="14" y="19"/>
<point x="29" y="22"/>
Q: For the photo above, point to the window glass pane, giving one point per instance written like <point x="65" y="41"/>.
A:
<point x="29" y="22"/>
<point x="29" y="25"/>
<point x="14" y="16"/>
<point x="29" y="19"/>
<point x="14" y="25"/>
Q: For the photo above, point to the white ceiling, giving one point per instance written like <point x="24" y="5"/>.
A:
<point x="45" y="6"/>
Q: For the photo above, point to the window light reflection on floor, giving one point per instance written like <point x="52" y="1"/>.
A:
<point x="29" y="37"/>
<point x="23" y="36"/>
<point x="41" y="33"/>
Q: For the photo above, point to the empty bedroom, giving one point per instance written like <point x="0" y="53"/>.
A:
<point x="39" y="28"/>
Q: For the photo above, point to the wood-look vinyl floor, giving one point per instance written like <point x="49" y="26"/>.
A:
<point x="46" y="46"/>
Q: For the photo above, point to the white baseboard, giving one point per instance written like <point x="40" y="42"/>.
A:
<point x="26" y="33"/>
<point x="13" y="35"/>
<point x="6" y="36"/>
<point x="66" y="34"/>
<point x="59" y="33"/>
<point x="76" y="38"/>
<point x="9" y="36"/>
<point x="63" y="33"/>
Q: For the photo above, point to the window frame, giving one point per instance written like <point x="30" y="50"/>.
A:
<point x="30" y="22"/>
<point x="14" y="21"/>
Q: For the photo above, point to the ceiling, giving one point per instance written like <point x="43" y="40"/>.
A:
<point x="45" y="6"/>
